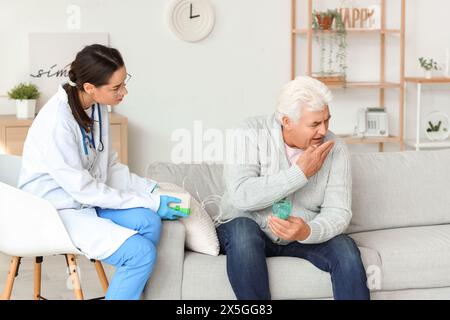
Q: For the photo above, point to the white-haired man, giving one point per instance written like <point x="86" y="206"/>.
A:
<point x="306" y="168"/>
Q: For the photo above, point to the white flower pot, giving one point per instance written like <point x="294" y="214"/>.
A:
<point x="435" y="136"/>
<point x="428" y="74"/>
<point x="25" y="108"/>
<point x="435" y="118"/>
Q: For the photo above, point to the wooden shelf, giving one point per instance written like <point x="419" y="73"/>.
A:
<point x="428" y="144"/>
<point x="369" y="140"/>
<point x="349" y="31"/>
<point x="365" y="85"/>
<point x="425" y="80"/>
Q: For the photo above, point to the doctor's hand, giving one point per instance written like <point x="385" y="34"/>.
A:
<point x="292" y="229"/>
<point x="166" y="212"/>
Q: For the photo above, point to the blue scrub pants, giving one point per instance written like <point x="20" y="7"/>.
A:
<point x="135" y="258"/>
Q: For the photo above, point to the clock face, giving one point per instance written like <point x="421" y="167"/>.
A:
<point x="191" y="20"/>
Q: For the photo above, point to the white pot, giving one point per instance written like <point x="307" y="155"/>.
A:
<point x="437" y="136"/>
<point x="428" y="74"/>
<point x="25" y="108"/>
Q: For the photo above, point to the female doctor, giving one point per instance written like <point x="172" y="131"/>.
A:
<point x="110" y="214"/>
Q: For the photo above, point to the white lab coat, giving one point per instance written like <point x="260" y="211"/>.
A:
<point x="55" y="167"/>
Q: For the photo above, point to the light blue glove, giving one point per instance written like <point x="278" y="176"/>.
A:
<point x="168" y="213"/>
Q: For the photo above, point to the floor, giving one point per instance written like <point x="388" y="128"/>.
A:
<point x="56" y="284"/>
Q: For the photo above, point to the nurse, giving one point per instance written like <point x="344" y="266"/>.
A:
<point x="111" y="214"/>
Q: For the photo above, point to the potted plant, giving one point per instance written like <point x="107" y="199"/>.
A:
<point x="428" y="65"/>
<point x="331" y="36"/>
<point x="438" y="124"/>
<point x="324" y="20"/>
<point x="25" y="96"/>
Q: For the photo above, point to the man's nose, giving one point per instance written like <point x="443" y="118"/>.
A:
<point x="322" y="129"/>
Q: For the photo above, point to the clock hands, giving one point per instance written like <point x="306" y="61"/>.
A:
<point x="190" y="14"/>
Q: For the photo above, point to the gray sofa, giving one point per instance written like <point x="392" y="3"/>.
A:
<point x="401" y="223"/>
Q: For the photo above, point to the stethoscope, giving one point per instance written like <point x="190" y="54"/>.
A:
<point x="91" y="140"/>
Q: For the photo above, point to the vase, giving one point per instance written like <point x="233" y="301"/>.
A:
<point x="325" y="22"/>
<point x="25" y="108"/>
<point x="428" y="74"/>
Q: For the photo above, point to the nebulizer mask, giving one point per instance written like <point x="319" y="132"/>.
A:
<point x="282" y="208"/>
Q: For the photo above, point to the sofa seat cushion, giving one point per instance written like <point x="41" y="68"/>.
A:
<point x="205" y="277"/>
<point x="415" y="257"/>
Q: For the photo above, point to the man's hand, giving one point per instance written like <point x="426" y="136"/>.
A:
<point x="292" y="229"/>
<point x="313" y="158"/>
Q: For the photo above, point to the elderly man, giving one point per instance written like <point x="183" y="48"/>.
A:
<point x="304" y="169"/>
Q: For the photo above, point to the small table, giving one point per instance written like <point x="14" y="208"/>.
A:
<point x="420" y="81"/>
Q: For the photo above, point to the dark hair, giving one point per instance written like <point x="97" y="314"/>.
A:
<point x="94" y="64"/>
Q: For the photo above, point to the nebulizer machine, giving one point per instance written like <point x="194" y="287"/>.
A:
<point x="184" y="206"/>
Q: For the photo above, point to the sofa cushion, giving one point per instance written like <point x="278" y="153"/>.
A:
<point x="203" y="181"/>
<point x="400" y="189"/>
<point x="416" y="257"/>
<point x="290" y="278"/>
<point x="201" y="235"/>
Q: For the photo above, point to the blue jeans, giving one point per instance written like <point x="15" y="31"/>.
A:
<point x="247" y="247"/>
<point x="135" y="258"/>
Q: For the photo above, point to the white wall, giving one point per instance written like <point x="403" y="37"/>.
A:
<point x="236" y="72"/>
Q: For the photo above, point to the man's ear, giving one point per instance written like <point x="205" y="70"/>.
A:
<point x="88" y="87"/>
<point x="286" y="122"/>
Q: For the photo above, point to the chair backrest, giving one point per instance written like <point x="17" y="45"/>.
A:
<point x="10" y="169"/>
<point x="29" y="226"/>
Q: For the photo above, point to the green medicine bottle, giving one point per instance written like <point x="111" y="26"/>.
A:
<point x="282" y="209"/>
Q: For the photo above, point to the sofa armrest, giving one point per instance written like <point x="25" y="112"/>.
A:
<point x="167" y="276"/>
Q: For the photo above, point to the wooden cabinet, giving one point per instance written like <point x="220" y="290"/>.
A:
<point x="119" y="135"/>
<point x="13" y="132"/>
<point x="14" y="139"/>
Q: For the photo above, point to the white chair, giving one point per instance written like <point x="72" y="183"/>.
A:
<point x="31" y="227"/>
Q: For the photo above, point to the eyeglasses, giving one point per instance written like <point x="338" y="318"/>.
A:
<point x="118" y="91"/>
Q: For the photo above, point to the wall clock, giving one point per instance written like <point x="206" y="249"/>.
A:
<point x="191" y="20"/>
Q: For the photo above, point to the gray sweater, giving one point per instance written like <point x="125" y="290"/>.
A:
<point x="265" y="176"/>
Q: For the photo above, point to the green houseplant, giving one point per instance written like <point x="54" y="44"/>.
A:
<point x="428" y="65"/>
<point x="438" y="125"/>
<point x="331" y="37"/>
<point x="25" y="96"/>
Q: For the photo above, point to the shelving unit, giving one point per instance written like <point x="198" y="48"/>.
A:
<point x="419" y="82"/>
<point x="381" y="85"/>
<point x="354" y="30"/>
